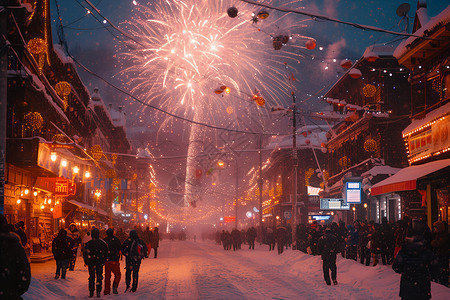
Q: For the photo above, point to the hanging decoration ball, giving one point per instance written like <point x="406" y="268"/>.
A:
<point x="232" y="12"/>
<point x="370" y="145"/>
<point x="355" y="73"/>
<point x="307" y="141"/>
<point x="344" y="162"/>
<point x="113" y="158"/>
<point x="346" y="64"/>
<point x="229" y="110"/>
<point x="263" y="14"/>
<point x="371" y="57"/>
<point x="134" y="176"/>
<point x="198" y="173"/>
<point x="310" y="44"/>
<point x="33" y="120"/>
<point x="369" y="90"/>
<point x="97" y="152"/>
<point x="37" y="46"/>
<point x="323" y="145"/>
<point x="218" y="91"/>
<point x="63" y="89"/>
<point x="304" y="133"/>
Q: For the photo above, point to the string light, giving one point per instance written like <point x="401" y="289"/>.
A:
<point x="33" y="121"/>
<point x="63" y="89"/>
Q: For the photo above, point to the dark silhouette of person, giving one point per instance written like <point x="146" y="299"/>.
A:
<point x="328" y="247"/>
<point x="95" y="255"/>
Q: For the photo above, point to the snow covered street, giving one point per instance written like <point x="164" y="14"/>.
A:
<point x="203" y="270"/>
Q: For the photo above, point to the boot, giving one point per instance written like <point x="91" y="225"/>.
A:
<point x="91" y="294"/>
<point x="115" y="290"/>
<point x="99" y="290"/>
<point x="56" y="276"/>
<point x="335" y="282"/>
<point x="127" y="288"/>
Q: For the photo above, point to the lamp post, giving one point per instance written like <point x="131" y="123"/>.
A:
<point x="97" y="194"/>
<point x="260" y="185"/>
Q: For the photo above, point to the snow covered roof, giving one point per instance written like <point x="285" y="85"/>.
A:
<point x="118" y="117"/>
<point x="379" y="49"/>
<point x="307" y="136"/>
<point x="381" y="170"/>
<point x="438" y="112"/>
<point x="440" y="20"/>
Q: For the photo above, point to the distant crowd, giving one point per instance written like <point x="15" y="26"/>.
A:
<point x="364" y="241"/>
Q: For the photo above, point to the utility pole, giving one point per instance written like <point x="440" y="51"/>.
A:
<point x="3" y="100"/>
<point x="295" y="161"/>
<point x="236" y="192"/>
<point x="260" y="185"/>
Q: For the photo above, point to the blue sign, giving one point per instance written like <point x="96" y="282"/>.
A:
<point x="353" y="192"/>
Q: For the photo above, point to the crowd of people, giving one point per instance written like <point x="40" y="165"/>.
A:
<point x="405" y="244"/>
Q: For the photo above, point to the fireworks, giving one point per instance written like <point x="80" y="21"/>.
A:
<point x="188" y="49"/>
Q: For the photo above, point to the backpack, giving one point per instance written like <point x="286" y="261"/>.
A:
<point x="137" y="250"/>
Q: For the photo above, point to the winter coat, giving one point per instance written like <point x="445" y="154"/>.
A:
<point x="416" y="263"/>
<point x="113" y="247"/>
<point x="441" y="240"/>
<point x="155" y="239"/>
<point x="328" y="246"/>
<point x="22" y="235"/>
<point x="147" y="236"/>
<point x="281" y="235"/>
<point x="15" y="272"/>
<point x="352" y="237"/>
<point x="62" y="246"/>
<point x="75" y="235"/>
<point x="129" y="247"/>
<point x="96" y="251"/>
<point x="251" y="234"/>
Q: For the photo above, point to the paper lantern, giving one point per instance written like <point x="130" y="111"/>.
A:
<point x="371" y="57"/>
<point x="370" y="145"/>
<point x="304" y="133"/>
<point x="38" y="47"/>
<point x="355" y="73"/>
<point x="323" y="145"/>
<point x="63" y="89"/>
<point x="218" y="91"/>
<point x="369" y="90"/>
<point x="346" y="64"/>
<point x="308" y="141"/>
<point x="33" y="121"/>
<point x="310" y="44"/>
<point x="232" y="12"/>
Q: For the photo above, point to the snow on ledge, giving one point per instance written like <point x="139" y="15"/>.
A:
<point x="434" y="114"/>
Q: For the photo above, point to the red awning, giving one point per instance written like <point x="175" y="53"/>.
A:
<point x="406" y="179"/>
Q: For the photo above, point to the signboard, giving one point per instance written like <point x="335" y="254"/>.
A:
<point x="333" y="204"/>
<point x="352" y="192"/>
<point x="229" y="219"/>
<point x="431" y="141"/>
<point x="60" y="186"/>
<point x="287" y="214"/>
<point x="320" y="217"/>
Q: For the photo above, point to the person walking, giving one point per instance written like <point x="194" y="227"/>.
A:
<point x="351" y="243"/>
<point x="281" y="238"/>
<point x="328" y="247"/>
<point x="415" y="262"/>
<point x="155" y="241"/>
<point x="134" y="250"/>
<point x="440" y="244"/>
<point x="62" y="252"/>
<point x="74" y="234"/>
<point x="20" y="230"/>
<point x="13" y="258"/>
<point x="112" y="262"/>
<point x="147" y="237"/>
<point x="251" y="236"/>
<point x="86" y="238"/>
<point x="95" y="255"/>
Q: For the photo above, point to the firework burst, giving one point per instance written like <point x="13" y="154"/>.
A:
<point x="187" y="49"/>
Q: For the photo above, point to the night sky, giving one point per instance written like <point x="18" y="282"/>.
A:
<point x="94" y="46"/>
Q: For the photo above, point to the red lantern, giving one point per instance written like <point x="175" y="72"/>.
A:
<point x="304" y="133"/>
<point x="307" y="142"/>
<point x="323" y="145"/>
<point x="198" y="173"/>
<point x="310" y="44"/>
<point x="371" y="57"/>
<point x="346" y="64"/>
<point x="355" y="73"/>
